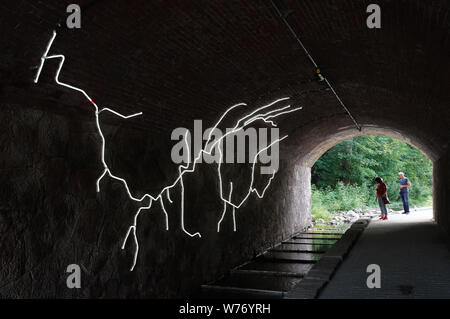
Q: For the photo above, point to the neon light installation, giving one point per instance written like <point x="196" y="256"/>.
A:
<point x="210" y="145"/>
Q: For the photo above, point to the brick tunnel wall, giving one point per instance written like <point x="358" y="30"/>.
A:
<point x="441" y="192"/>
<point x="51" y="215"/>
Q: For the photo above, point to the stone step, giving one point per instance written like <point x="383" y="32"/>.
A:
<point x="259" y="281"/>
<point x="300" y="243"/>
<point x="317" y="236"/>
<point x="301" y="248"/>
<point x="213" y="292"/>
<point x="326" y="230"/>
<point x="314" y="237"/>
<point x="267" y="273"/>
<point x="311" y="241"/>
<point x="321" y="232"/>
<point x="291" y="256"/>
<point x="298" y="268"/>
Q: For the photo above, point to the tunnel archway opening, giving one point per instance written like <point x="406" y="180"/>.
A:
<point x="321" y="143"/>
<point x="344" y="165"/>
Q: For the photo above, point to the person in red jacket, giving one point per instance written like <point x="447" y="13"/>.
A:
<point x="381" y="193"/>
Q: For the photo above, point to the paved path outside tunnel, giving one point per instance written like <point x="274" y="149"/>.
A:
<point x="414" y="262"/>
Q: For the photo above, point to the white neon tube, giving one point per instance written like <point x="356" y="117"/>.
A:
<point x="182" y="169"/>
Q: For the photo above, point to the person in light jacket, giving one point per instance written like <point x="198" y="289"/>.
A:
<point x="404" y="185"/>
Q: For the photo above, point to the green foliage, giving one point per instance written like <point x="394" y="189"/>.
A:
<point x="343" y="178"/>
<point x="341" y="197"/>
<point x="318" y="205"/>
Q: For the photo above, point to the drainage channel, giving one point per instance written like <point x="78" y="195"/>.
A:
<point x="278" y="270"/>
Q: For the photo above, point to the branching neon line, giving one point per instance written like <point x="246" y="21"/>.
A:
<point x="147" y="199"/>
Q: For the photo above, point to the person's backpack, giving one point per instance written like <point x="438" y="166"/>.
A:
<point x="385" y="198"/>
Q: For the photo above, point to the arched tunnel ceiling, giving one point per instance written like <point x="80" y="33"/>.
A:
<point x="181" y="60"/>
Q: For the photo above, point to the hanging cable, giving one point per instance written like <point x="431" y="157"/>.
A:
<point x="322" y="78"/>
